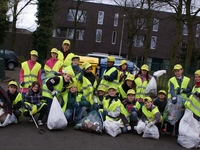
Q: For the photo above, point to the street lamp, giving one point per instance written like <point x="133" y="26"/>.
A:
<point x="120" y="46"/>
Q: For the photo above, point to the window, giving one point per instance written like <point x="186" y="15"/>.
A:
<point x="138" y="40"/>
<point x="185" y="30"/>
<point x="100" y="17"/>
<point x="155" y="24"/>
<point x="197" y="30"/>
<point x="81" y="15"/>
<point x="98" y="35"/>
<point x="114" y="36"/>
<point x="116" y="19"/>
<point x="141" y="23"/>
<point x="153" y="42"/>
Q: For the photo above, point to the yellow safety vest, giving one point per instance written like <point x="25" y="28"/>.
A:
<point x="107" y="83"/>
<point x="30" y="75"/>
<point x="184" y="85"/>
<point x="65" y="100"/>
<point x="68" y="59"/>
<point x="47" y="93"/>
<point x="150" y="115"/>
<point x="50" y="71"/>
<point x="70" y="69"/>
<point x="140" y="88"/>
<point x="193" y="103"/>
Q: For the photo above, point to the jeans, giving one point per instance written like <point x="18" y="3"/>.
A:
<point x="79" y="111"/>
<point x="49" y="102"/>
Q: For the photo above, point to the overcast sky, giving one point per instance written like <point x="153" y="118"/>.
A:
<point x="27" y="17"/>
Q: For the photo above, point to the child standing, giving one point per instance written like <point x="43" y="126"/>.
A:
<point x="33" y="103"/>
<point x="15" y="98"/>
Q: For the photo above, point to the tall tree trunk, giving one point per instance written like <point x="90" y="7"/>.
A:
<point x="14" y="22"/>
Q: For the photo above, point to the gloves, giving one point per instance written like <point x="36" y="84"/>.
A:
<point x="75" y="105"/>
<point x="133" y="109"/>
<point x="174" y="100"/>
<point x="1" y="103"/>
<point x="29" y="108"/>
<point x="178" y="90"/>
<point x="150" y="124"/>
<point x="129" y="108"/>
<point x="22" y="84"/>
<point x="106" y="77"/>
<point x="34" y="110"/>
<point x="105" y="113"/>
<point x="56" y="73"/>
<point x="54" y="93"/>
<point x="96" y="106"/>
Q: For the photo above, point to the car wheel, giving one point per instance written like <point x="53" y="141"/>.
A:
<point x="11" y="66"/>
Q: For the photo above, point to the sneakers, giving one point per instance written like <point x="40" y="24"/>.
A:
<point x="30" y="120"/>
<point x="40" y="123"/>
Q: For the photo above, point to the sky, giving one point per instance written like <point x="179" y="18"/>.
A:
<point x="27" y="18"/>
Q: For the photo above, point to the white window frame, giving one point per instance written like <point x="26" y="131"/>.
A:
<point x="141" y="23"/>
<point x="116" y="18"/>
<point x="153" y="42"/>
<point x="114" y="37"/>
<point x="81" y="15"/>
<point x="100" y="17"/>
<point x="155" y="24"/>
<point x="198" y="30"/>
<point x="98" y="35"/>
<point x="138" y="40"/>
<point x="70" y="34"/>
<point x="185" y="29"/>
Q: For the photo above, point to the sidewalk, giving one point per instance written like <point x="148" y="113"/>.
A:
<point x="25" y="136"/>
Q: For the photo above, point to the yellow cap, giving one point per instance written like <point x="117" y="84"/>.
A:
<point x="197" y="72"/>
<point x="112" y="87"/>
<point x="73" y="84"/>
<point x="75" y="56"/>
<point x="66" y="42"/>
<point x="111" y="59"/>
<point x="130" y="77"/>
<point x="34" y="52"/>
<point x="162" y="91"/>
<point x="54" y="50"/>
<point x="64" y="71"/>
<point x="101" y="88"/>
<point x="13" y="83"/>
<point x="177" y="67"/>
<point x="86" y="65"/>
<point x="123" y="62"/>
<point x="147" y="99"/>
<point x="131" y="91"/>
<point x="145" y="67"/>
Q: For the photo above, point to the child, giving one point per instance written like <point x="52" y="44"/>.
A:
<point x="33" y="103"/>
<point x="161" y="102"/>
<point x="113" y="108"/>
<point x="150" y="114"/>
<point x="74" y="103"/>
<point x="15" y="99"/>
<point x="123" y="69"/>
<point x="132" y="106"/>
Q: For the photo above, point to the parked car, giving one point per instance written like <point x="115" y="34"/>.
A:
<point x="11" y="59"/>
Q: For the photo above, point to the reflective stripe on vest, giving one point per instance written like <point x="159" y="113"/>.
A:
<point x="140" y="88"/>
<point x="50" y="71"/>
<point x="112" y="106"/>
<point x="150" y="115"/>
<point x="30" y="75"/>
<point x="184" y="85"/>
<point x="122" y="92"/>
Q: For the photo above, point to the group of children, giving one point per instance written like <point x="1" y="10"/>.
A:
<point x="117" y="95"/>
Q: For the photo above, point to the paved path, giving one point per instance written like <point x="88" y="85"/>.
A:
<point x="24" y="136"/>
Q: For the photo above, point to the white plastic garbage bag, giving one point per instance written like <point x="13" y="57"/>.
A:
<point x="113" y="128"/>
<point x="56" y="118"/>
<point x="159" y="73"/>
<point x="151" y="132"/>
<point x="151" y="88"/>
<point x="140" y="127"/>
<point x="8" y="120"/>
<point x="189" y="131"/>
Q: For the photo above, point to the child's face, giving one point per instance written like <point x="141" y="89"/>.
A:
<point x="54" y="55"/>
<point x="67" y="77"/>
<point x="35" y="88"/>
<point x="161" y="96"/>
<point x="101" y="93"/>
<point x="144" y="72"/>
<point x="178" y="73"/>
<point x="197" y="78"/>
<point x="148" y="104"/>
<point x="129" y="82"/>
<point x="75" y="61"/>
<point x="12" y="89"/>
<point x="73" y="89"/>
<point x="124" y="66"/>
<point x="33" y="58"/>
<point x="112" y="92"/>
<point x="130" y="97"/>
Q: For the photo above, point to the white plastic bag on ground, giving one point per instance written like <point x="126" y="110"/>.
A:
<point x="159" y="73"/>
<point x="8" y="120"/>
<point x="151" y="88"/>
<point x="140" y="127"/>
<point x="56" y="118"/>
<point x="189" y="131"/>
<point x="113" y="128"/>
<point x="151" y="132"/>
